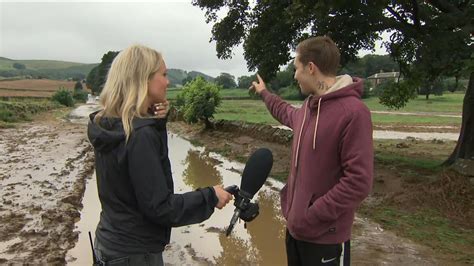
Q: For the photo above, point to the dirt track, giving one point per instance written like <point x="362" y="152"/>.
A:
<point x="43" y="169"/>
<point x="43" y="166"/>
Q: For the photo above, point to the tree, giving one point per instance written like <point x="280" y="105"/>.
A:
<point x="283" y="78"/>
<point x="97" y="76"/>
<point x="18" y="66"/>
<point x="369" y="65"/>
<point x="198" y="100"/>
<point x="428" y="39"/>
<point x="244" y="82"/>
<point x="186" y="80"/>
<point x="78" y="86"/>
<point x="226" y="80"/>
<point x="64" y="97"/>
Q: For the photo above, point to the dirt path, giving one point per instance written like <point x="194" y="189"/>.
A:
<point x="43" y="166"/>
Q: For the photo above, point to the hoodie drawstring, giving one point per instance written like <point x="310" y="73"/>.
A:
<point x="299" y="137"/>
<point x="301" y="130"/>
<point x="316" y="125"/>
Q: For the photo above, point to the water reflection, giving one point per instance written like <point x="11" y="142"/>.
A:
<point x="200" y="170"/>
<point x="268" y="230"/>
<point x="261" y="243"/>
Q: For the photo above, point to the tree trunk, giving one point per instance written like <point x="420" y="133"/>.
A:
<point x="462" y="158"/>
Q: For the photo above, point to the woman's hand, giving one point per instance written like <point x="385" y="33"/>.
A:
<point x="258" y="86"/>
<point x="223" y="196"/>
<point x="160" y="110"/>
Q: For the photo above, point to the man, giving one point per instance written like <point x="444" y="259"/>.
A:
<point x="332" y="156"/>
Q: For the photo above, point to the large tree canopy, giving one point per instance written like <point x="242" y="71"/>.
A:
<point x="95" y="80"/>
<point x="428" y="39"/>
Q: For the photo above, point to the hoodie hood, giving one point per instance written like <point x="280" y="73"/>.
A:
<point x="109" y="133"/>
<point x="345" y="86"/>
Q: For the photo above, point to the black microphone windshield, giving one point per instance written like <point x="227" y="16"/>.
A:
<point x="256" y="171"/>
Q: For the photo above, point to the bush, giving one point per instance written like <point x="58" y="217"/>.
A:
<point x="198" y="100"/>
<point x="396" y="95"/>
<point x="14" y="111"/>
<point x="64" y="97"/>
<point x="367" y="89"/>
<point x="80" y="96"/>
<point x="291" y="93"/>
<point x="78" y="86"/>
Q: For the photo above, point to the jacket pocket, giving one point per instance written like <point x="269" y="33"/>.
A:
<point x="307" y="224"/>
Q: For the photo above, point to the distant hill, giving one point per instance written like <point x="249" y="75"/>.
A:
<point x="50" y="69"/>
<point x="59" y="70"/>
<point x="176" y="76"/>
<point x="194" y="74"/>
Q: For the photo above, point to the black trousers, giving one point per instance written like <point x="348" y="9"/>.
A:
<point x="301" y="253"/>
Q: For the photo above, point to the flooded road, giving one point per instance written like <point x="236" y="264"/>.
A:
<point x="46" y="165"/>
<point x="261" y="243"/>
<point x="391" y="134"/>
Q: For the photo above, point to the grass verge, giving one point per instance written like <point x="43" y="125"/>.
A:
<point x="427" y="227"/>
<point x="22" y="110"/>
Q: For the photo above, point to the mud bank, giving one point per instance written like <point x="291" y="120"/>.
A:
<point x="43" y="168"/>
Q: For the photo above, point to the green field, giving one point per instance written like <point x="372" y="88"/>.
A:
<point x="448" y="103"/>
<point x="45" y="68"/>
<point x="254" y="111"/>
<point x="7" y="64"/>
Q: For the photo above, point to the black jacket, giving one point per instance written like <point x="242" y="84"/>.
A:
<point x="135" y="187"/>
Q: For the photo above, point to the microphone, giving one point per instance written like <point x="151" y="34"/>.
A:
<point x="255" y="173"/>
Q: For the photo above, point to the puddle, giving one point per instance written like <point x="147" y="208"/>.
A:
<point x="262" y="242"/>
<point x="80" y="115"/>
<point x="81" y="254"/>
<point x="417" y="114"/>
<point x="390" y="134"/>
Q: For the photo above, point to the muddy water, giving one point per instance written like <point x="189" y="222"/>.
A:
<point x="81" y="254"/>
<point x="262" y="242"/>
<point x="390" y="134"/>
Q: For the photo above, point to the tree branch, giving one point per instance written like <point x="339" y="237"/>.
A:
<point x="398" y="16"/>
<point x="416" y="19"/>
<point x="444" y="6"/>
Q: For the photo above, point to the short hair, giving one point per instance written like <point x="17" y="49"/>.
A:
<point x="322" y="51"/>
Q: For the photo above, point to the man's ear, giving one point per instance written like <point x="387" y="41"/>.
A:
<point x="313" y="68"/>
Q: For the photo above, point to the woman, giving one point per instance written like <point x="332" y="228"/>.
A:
<point x="134" y="177"/>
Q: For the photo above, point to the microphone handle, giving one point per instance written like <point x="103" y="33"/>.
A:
<point x="233" y="221"/>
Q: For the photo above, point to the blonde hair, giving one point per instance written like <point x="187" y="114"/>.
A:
<point x="126" y="88"/>
<point x="322" y="51"/>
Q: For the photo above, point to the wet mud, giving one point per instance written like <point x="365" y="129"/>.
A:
<point x="43" y="166"/>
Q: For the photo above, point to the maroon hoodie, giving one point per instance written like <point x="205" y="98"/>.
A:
<point x="332" y="162"/>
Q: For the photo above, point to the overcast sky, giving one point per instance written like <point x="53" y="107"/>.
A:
<point x="84" y="31"/>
